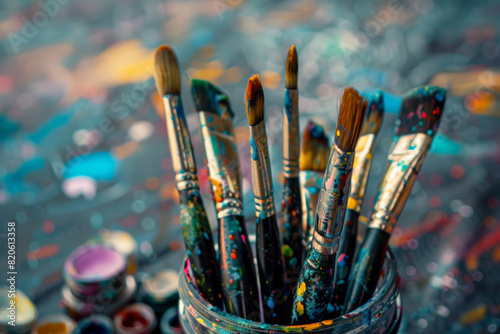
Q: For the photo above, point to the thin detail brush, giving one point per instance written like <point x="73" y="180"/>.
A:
<point x="314" y="154"/>
<point x="418" y="121"/>
<point x="359" y="176"/>
<point x="269" y="257"/>
<point x="316" y="278"/>
<point x="238" y="277"/>
<point x="292" y="233"/>
<point x="195" y="225"/>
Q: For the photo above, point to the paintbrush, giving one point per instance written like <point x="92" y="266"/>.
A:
<point x="315" y="283"/>
<point x="237" y="271"/>
<point x="359" y="176"/>
<point x="292" y="233"/>
<point x="418" y="121"/>
<point x="313" y="159"/>
<point x="269" y="257"/>
<point x="195" y="225"/>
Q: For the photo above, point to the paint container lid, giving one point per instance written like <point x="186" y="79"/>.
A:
<point x="122" y="242"/>
<point x="161" y="289"/>
<point x="95" y="324"/>
<point x="54" y="324"/>
<point x="95" y="270"/>
<point x="135" y="319"/>
<point x="78" y="308"/>
<point x="169" y="323"/>
<point x="24" y="311"/>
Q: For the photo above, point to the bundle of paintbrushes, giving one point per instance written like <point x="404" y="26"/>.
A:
<point x="418" y="121"/>
<point x="304" y="259"/>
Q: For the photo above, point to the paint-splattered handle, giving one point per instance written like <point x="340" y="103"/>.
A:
<point x="314" y="288"/>
<point x="239" y="283"/>
<point x="345" y="257"/>
<point x="271" y="271"/>
<point x="200" y="246"/>
<point x="367" y="268"/>
<point x="292" y="235"/>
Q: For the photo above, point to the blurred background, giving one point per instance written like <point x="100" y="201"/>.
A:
<point x="83" y="144"/>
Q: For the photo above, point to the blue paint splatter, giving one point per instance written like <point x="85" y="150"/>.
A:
<point x="270" y="303"/>
<point x="288" y="105"/>
<point x="253" y="145"/>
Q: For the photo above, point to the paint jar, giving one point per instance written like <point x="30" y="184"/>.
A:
<point x="381" y="314"/>
<point x="135" y="319"/>
<point x="169" y="323"/>
<point x="159" y="291"/>
<point x="54" y="324"/>
<point x="96" y="281"/>
<point x="15" y="305"/>
<point x="95" y="324"/>
<point x="122" y="242"/>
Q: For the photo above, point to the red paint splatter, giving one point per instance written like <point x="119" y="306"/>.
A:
<point x="48" y="226"/>
<point x="435" y="201"/>
<point x="43" y="252"/>
<point x="457" y="171"/>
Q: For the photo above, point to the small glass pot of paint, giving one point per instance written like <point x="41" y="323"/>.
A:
<point x="96" y="281"/>
<point x="381" y="314"/>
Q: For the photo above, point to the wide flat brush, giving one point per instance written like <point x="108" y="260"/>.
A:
<point x="313" y="159"/>
<point x="418" y="121"/>
<point x="269" y="257"/>
<point x="315" y="283"/>
<point x="359" y="176"/>
<point x="238" y="277"/>
<point x="292" y="233"/>
<point x="195" y="225"/>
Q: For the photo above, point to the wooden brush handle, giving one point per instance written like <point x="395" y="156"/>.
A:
<point x="314" y="288"/>
<point x="292" y="236"/>
<point x="367" y="268"/>
<point x="271" y="275"/>
<point x="200" y="246"/>
<point x="238" y="277"/>
<point x="345" y="259"/>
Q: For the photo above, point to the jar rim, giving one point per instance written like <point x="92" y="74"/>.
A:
<point x="387" y="293"/>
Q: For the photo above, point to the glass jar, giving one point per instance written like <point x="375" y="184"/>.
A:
<point x="381" y="314"/>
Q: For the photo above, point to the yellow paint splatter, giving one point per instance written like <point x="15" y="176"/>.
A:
<point x="287" y="251"/>
<point x="302" y="289"/>
<point x="270" y="79"/>
<point x="199" y="320"/>
<point x="300" y="309"/>
<point x="473" y="316"/>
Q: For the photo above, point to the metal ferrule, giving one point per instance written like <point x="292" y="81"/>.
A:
<point x="405" y="161"/>
<point x="181" y="150"/>
<point x="310" y="186"/>
<point x="223" y="163"/>
<point x="186" y="181"/>
<point x="261" y="172"/>
<point x="291" y="134"/>
<point x="332" y="202"/>
<point x="360" y="169"/>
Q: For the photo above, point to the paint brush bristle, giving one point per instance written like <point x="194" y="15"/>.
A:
<point x="315" y="149"/>
<point x="292" y="68"/>
<point x="374" y="114"/>
<point x="208" y="97"/>
<point x="350" y="120"/>
<point x="254" y="101"/>
<point x="166" y="71"/>
<point x="421" y="110"/>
